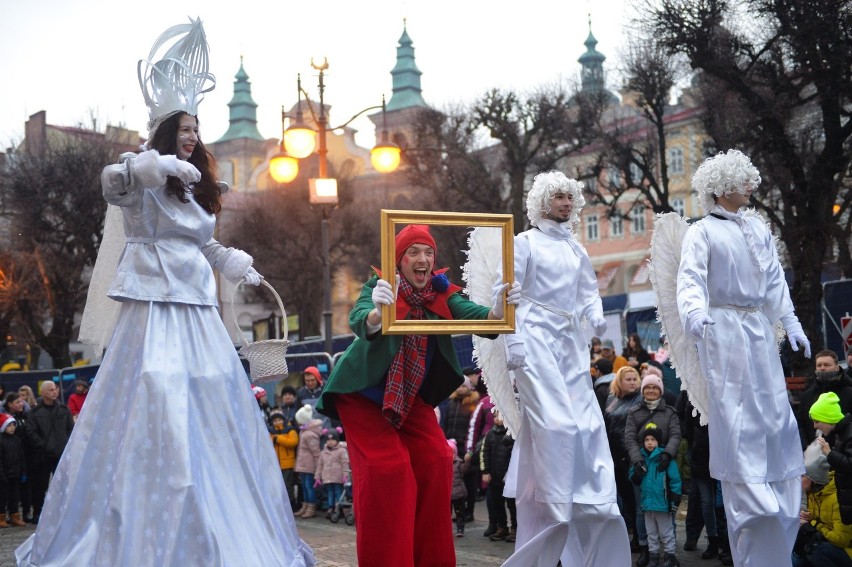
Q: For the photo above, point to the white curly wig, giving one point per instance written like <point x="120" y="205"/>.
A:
<point x="724" y="173"/>
<point x="544" y="187"/>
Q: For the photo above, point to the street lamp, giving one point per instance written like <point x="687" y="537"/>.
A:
<point x="298" y="142"/>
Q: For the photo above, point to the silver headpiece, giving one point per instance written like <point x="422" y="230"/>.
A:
<point x="178" y="80"/>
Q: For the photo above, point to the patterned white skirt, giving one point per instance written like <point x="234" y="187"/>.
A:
<point x="169" y="463"/>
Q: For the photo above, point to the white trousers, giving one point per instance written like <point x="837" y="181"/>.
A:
<point x="763" y="520"/>
<point x="595" y="536"/>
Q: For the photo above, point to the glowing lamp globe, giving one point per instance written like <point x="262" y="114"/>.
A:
<point x="300" y="141"/>
<point x="385" y="157"/>
<point x="283" y="168"/>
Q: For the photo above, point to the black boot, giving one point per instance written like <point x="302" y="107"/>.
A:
<point x="712" y="551"/>
<point x="489" y="531"/>
<point x="644" y="558"/>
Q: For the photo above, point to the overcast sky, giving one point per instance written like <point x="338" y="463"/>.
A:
<point x="74" y="58"/>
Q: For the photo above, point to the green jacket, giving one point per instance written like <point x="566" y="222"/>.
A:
<point x="366" y="361"/>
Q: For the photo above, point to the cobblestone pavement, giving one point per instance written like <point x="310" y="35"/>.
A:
<point x="334" y="544"/>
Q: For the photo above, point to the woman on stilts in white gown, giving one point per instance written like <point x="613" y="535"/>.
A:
<point x="169" y="462"/>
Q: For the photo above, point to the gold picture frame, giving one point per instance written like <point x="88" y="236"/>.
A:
<point x="392" y="326"/>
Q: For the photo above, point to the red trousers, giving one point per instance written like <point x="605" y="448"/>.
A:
<point x="401" y="480"/>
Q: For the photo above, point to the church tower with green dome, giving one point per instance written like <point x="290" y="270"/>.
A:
<point x="242" y="148"/>
<point x="406" y="96"/>
<point x="592" y="73"/>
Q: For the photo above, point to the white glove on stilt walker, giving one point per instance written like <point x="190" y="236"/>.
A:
<point x="183" y="170"/>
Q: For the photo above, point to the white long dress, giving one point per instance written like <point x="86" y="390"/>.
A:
<point x="565" y="490"/>
<point x="169" y="463"/>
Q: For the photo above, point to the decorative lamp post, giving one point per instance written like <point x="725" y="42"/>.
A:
<point x="300" y="141"/>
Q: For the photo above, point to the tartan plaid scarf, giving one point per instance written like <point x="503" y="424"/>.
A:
<point x="408" y="368"/>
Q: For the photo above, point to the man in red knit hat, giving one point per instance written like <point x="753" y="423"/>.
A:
<point x="384" y="389"/>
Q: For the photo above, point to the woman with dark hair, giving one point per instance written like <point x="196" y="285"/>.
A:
<point x="634" y="352"/>
<point x="169" y="462"/>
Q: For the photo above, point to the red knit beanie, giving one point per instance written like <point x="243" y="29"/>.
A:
<point x="413" y="234"/>
<point x="314" y="371"/>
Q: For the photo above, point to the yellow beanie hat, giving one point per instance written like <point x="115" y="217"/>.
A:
<point x="827" y="408"/>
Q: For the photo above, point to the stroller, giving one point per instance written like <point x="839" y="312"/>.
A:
<point x="343" y="507"/>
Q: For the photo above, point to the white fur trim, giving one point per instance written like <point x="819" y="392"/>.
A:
<point x="236" y="265"/>
<point x="145" y="169"/>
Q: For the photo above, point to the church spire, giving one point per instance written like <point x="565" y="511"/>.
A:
<point x="592" y="74"/>
<point x="406" y="76"/>
<point x="243" y="110"/>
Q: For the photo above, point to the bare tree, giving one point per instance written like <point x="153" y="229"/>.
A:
<point x="633" y="138"/>
<point x="54" y="208"/>
<point x="777" y="80"/>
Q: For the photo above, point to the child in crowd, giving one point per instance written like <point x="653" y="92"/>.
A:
<point x="458" y="496"/>
<point x="659" y="496"/>
<point x="12" y="469"/>
<point x="332" y="469"/>
<point x="836" y="445"/>
<point x="494" y="463"/>
<point x="306" y="459"/>
<point x="78" y="398"/>
<point x="285" y="439"/>
<point x="823" y="539"/>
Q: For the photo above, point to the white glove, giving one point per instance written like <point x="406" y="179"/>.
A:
<point x="515" y="356"/>
<point x="598" y="324"/>
<point x="797" y="339"/>
<point x="183" y="170"/>
<point x="513" y="296"/>
<point x="383" y="294"/>
<point x="252" y="277"/>
<point x="696" y="321"/>
<point x="795" y="334"/>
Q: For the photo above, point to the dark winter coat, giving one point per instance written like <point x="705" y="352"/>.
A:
<point x="667" y="422"/>
<point x="460" y="467"/>
<point x="496" y="451"/>
<point x="12" y="461"/>
<point x="21" y="429"/>
<point x="615" y="418"/>
<point x="843" y="389"/>
<point x="840" y="459"/>
<point x="48" y="430"/>
<point x="456" y="421"/>
<point x="697" y="437"/>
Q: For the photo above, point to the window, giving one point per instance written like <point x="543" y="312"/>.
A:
<point x="675" y="160"/>
<point x="592" y="184"/>
<point x="638" y="216"/>
<point x="616" y="225"/>
<point x="635" y="174"/>
<point x="613" y="176"/>
<point x="679" y="206"/>
<point x="592" y="227"/>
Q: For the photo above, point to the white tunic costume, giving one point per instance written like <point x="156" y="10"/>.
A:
<point x="565" y="475"/>
<point x="729" y="269"/>
<point x="169" y="463"/>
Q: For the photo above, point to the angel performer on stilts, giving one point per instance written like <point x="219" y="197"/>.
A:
<point x="169" y="463"/>
<point x="720" y="293"/>
<point x="561" y="469"/>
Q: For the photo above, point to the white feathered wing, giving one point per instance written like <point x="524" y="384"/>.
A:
<point x="669" y="230"/>
<point x="483" y="265"/>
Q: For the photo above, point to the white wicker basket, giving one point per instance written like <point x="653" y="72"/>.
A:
<point x="267" y="358"/>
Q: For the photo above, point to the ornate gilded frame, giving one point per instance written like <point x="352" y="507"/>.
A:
<point x="392" y="326"/>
